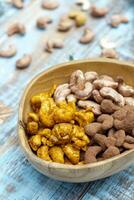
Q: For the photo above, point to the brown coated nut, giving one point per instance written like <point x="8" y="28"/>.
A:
<point x="116" y="20"/>
<point x="100" y="140"/>
<point x="106" y="120"/>
<point x="24" y="62"/>
<point x="98" y="12"/>
<point x="110" y="152"/>
<point x="111" y="132"/>
<point x="120" y="137"/>
<point x="43" y="21"/>
<point x="16" y="28"/>
<point x="129" y="139"/>
<point x="107" y="106"/>
<point x="50" y="4"/>
<point x="109" y="53"/>
<point x="87" y="36"/>
<point x="17" y="3"/>
<point x="128" y="145"/>
<point x="93" y="128"/>
<point x="91" y="153"/>
<point x="9" y="52"/>
<point x="97" y="97"/>
<point x="110" y="141"/>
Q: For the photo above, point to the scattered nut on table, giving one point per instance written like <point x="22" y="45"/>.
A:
<point x="50" y="4"/>
<point x="87" y="36"/>
<point x="82" y="121"/>
<point x="24" y="62"/>
<point x="43" y="21"/>
<point x="109" y="53"/>
<point x="8" y="52"/>
<point x="65" y="24"/>
<point x="18" y="3"/>
<point x="16" y="28"/>
<point x="52" y="44"/>
<point x="116" y="20"/>
<point x="98" y="12"/>
<point x="79" y="17"/>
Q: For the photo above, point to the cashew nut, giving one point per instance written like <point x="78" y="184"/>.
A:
<point x="91" y="76"/>
<point x="93" y="128"/>
<point x="112" y="94"/>
<point x="77" y="80"/>
<point x="71" y="98"/>
<point x="90" y="104"/>
<point x="87" y="36"/>
<point x="100" y="140"/>
<point x="129" y="101"/>
<point x="24" y="62"/>
<point x="110" y="152"/>
<point x="17" y="3"/>
<point x="106" y="77"/>
<point x="65" y="24"/>
<point x="97" y="97"/>
<point x="14" y="28"/>
<point x="128" y="145"/>
<point x="116" y="20"/>
<point x="61" y="92"/>
<point x="50" y="4"/>
<point x="91" y="153"/>
<point x="43" y="21"/>
<point x="109" y="53"/>
<point x="129" y="139"/>
<point x="107" y="106"/>
<point x="124" y="90"/>
<point x="54" y="43"/>
<point x="100" y="83"/>
<point x="98" y="12"/>
<point x="106" y="120"/>
<point x="9" y="52"/>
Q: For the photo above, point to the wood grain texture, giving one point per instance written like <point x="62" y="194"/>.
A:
<point x="16" y="172"/>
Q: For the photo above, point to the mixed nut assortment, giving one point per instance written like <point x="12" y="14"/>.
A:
<point x="75" y="18"/>
<point x="86" y="120"/>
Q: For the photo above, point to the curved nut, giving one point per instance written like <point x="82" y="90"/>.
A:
<point x="106" y="120"/>
<point x="110" y="152"/>
<point x="93" y="128"/>
<point x="98" y="12"/>
<point x="116" y="20"/>
<point x="17" y="4"/>
<point x="61" y="92"/>
<point x="91" y="76"/>
<point x="24" y="62"/>
<point x="85" y="93"/>
<point x="14" y="28"/>
<point x="87" y="36"/>
<point x="90" y="104"/>
<point x="109" y="53"/>
<point x="43" y="21"/>
<point x="120" y="137"/>
<point x="77" y="80"/>
<point x="91" y="153"/>
<point x="100" y="140"/>
<point x="111" y="132"/>
<point x="50" y="4"/>
<point x="124" y="90"/>
<point x="110" y="141"/>
<point x="97" y="97"/>
<point x="129" y="101"/>
<point x="128" y="146"/>
<point x="106" y="77"/>
<point x="71" y="98"/>
<point x="65" y="25"/>
<point x="9" y="52"/>
<point x="112" y="94"/>
<point x="55" y="43"/>
<point x="107" y="106"/>
<point x="98" y="84"/>
<point x="129" y="139"/>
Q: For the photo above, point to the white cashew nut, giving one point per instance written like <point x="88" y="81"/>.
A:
<point x="43" y="21"/>
<point x="90" y="104"/>
<point x="85" y="93"/>
<point x="24" y="62"/>
<point x="112" y="94"/>
<point x="91" y="76"/>
<point x="54" y="43"/>
<point x="129" y="101"/>
<point x="9" y="52"/>
<point x="17" y="3"/>
<point x="16" y="28"/>
<point x="61" y="92"/>
<point x="124" y="90"/>
<point x="87" y="36"/>
<point x="77" y="80"/>
<point x="100" y="83"/>
<point x="71" y="98"/>
<point x="50" y="4"/>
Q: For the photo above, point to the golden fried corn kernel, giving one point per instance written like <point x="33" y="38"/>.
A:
<point x="84" y="117"/>
<point x="57" y="154"/>
<point x="72" y="153"/>
<point x="45" y="132"/>
<point x="44" y="140"/>
<point x="49" y="143"/>
<point x="42" y="152"/>
<point x="33" y="117"/>
<point x="32" y="127"/>
<point x="35" y="142"/>
<point x="61" y="133"/>
<point x="46" y="112"/>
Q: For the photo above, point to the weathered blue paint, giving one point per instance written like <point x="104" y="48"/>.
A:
<point x="18" y="179"/>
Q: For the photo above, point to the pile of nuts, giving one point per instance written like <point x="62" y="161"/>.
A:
<point x="86" y="120"/>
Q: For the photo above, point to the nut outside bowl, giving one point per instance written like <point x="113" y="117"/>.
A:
<point x="60" y="74"/>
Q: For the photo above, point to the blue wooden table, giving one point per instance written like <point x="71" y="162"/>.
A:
<point x="18" y="179"/>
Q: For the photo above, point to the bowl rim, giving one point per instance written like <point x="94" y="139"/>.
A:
<point x="28" y="152"/>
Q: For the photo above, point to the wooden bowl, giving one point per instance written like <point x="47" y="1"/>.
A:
<point x="60" y="74"/>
